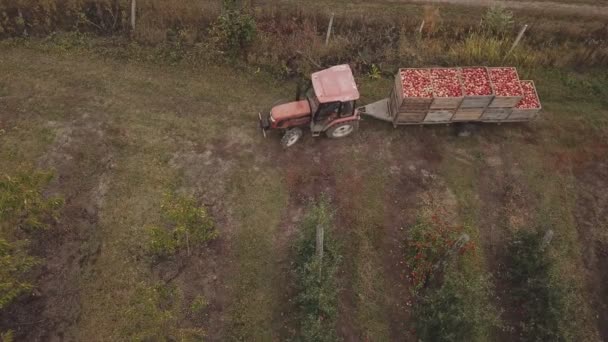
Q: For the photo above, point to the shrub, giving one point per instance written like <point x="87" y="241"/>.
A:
<point x="427" y="244"/>
<point x="317" y="296"/>
<point x="199" y="304"/>
<point x="22" y="203"/>
<point x="538" y="296"/>
<point x="7" y="336"/>
<point x="185" y="224"/>
<point x="458" y="311"/>
<point x="24" y="210"/>
<point x="498" y="20"/>
<point x="234" y="30"/>
<point x="153" y="314"/>
<point x="451" y="295"/>
<point x="14" y="263"/>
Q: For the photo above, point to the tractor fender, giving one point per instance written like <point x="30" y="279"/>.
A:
<point x="342" y="120"/>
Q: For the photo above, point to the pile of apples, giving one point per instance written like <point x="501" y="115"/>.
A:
<point x="416" y="83"/>
<point x="446" y="82"/>
<point x="505" y="82"/>
<point x="530" y="99"/>
<point x="476" y="82"/>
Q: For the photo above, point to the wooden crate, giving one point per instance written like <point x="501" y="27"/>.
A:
<point x="477" y="101"/>
<point x="496" y="114"/>
<point x="409" y="117"/>
<point x="440" y="102"/>
<point x="468" y="114"/>
<point x="525" y="114"/>
<point x="439" y="116"/>
<point x="403" y="103"/>
<point x="504" y="101"/>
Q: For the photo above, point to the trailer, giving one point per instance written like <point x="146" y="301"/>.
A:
<point x="477" y="94"/>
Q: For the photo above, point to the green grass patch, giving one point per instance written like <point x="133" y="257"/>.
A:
<point x="362" y="259"/>
<point x="258" y="199"/>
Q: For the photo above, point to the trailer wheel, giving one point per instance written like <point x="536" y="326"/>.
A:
<point x="291" y="137"/>
<point x="342" y="130"/>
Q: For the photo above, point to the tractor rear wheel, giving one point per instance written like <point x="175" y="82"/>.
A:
<point x="342" y="130"/>
<point x="291" y="137"/>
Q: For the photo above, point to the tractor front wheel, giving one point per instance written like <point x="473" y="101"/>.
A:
<point x="291" y="137"/>
<point x="342" y="130"/>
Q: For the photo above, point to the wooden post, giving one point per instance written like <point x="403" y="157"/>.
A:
<point x="546" y="239"/>
<point x="319" y="246"/>
<point x="331" y="23"/>
<point x="133" y="10"/>
<point x="453" y="251"/>
<point x="517" y="40"/>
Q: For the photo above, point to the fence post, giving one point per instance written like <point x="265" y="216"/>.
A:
<point x="546" y="239"/>
<point x="319" y="247"/>
<point x="517" y="40"/>
<point x="133" y="10"/>
<point x="331" y="22"/>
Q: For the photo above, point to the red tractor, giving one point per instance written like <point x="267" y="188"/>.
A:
<point x="329" y="106"/>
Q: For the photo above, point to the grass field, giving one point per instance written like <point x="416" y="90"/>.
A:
<point x="118" y="133"/>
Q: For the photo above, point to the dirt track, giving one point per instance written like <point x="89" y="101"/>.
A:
<point x="550" y="6"/>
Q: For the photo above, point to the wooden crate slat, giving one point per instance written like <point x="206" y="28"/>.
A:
<point x="439" y="116"/>
<point x="505" y="101"/>
<point x="523" y="114"/>
<point x="476" y="101"/>
<point x="494" y="114"/>
<point x="446" y="102"/>
<point x="468" y="114"/>
<point x="410" y="117"/>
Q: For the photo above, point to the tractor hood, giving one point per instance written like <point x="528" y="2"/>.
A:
<point x="290" y="110"/>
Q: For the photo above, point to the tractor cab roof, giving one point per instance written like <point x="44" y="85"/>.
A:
<point x="335" y="84"/>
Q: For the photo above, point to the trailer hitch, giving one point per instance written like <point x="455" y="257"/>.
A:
<point x="263" y="126"/>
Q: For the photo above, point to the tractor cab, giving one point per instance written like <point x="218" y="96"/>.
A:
<point x="328" y="106"/>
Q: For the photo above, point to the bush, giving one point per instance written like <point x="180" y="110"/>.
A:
<point x="23" y="205"/>
<point x="498" y="20"/>
<point x="451" y="295"/>
<point x="317" y="296"/>
<point x="199" y="304"/>
<point x="538" y="296"/>
<point x="185" y="224"/>
<point x="427" y="244"/>
<point x="23" y="211"/>
<point x="153" y="313"/>
<point x="14" y="263"/>
<point x="234" y="30"/>
<point x="458" y="311"/>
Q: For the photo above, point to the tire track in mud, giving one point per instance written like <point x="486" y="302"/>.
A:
<point x="591" y="215"/>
